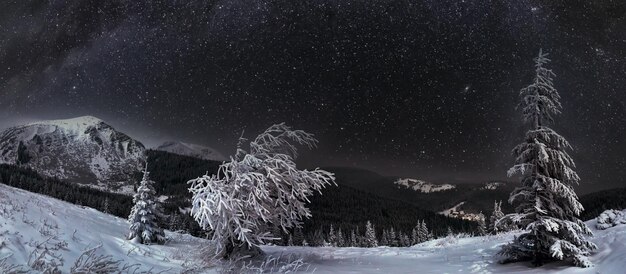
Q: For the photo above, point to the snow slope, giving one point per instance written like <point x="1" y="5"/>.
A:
<point x="455" y="255"/>
<point x="84" y="150"/>
<point x="422" y="186"/>
<point x="29" y="223"/>
<point x="191" y="150"/>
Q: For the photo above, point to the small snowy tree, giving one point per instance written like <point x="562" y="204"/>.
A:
<point x="341" y="240"/>
<point x="496" y="215"/>
<point x="393" y="241"/>
<point x="353" y="240"/>
<point x="425" y="235"/>
<point x="370" y="235"/>
<point x="384" y="238"/>
<point x="143" y="216"/>
<point x="547" y="205"/>
<point x="415" y="237"/>
<point x="258" y="186"/>
<point x="332" y="237"/>
<point x="482" y="227"/>
<point x="105" y="206"/>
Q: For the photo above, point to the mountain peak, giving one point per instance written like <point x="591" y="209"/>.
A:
<point x="77" y="123"/>
<point x="192" y="150"/>
<point x="84" y="149"/>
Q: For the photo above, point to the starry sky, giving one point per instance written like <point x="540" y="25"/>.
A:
<point x="421" y="88"/>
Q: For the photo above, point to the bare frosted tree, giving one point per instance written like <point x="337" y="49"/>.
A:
<point x="547" y="205"/>
<point x="257" y="187"/>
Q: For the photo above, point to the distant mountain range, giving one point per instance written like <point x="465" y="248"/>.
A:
<point x="476" y="198"/>
<point x="192" y="150"/>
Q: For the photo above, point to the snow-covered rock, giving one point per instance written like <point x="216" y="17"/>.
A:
<point x="39" y="228"/>
<point x="84" y="150"/>
<point x="492" y="185"/>
<point x="192" y="150"/>
<point x="610" y="218"/>
<point x="422" y="186"/>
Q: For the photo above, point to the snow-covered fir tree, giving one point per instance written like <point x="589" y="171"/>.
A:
<point x="383" y="238"/>
<point x="546" y="204"/>
<point x="496" y="215"/>
<point x="482" y="226"/>
<point x="332" y="237"/>
<point x="143" y="216"/>
<point x="174" y="222"/>
<point x="106" y="206"/>
<point x="423" y="232"/>
<point x="341" y="240"/>
<point x="257" y="186"/>
<point x="353" y="239"/>
<point x="415" y="237"/>
<point x="393" y="240"/>
<point x="370" y="235"/>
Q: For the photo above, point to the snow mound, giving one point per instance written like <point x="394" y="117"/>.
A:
<point x="192" y="150"/>
<point x="492" y="185"/>
<point x="422" y="186"/>
<point x="39" y="232"/>
<point x="610" y="218"/>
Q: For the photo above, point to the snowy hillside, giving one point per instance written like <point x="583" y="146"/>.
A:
<point x="455" y="255"/>
<point x="422" y="186"/>
<point x="83" y="150"/>
<point x="30" y="224"/>
<point x="191" y="150"/>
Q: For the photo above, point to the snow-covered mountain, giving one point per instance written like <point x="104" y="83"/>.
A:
<point x="192" y="150"/>
<point x="84" y="150"/>
<point x="422" y="186"/>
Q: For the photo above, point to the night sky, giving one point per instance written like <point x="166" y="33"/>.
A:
<point x="422" y="88"/>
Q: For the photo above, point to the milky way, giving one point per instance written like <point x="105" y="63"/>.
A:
<point x="416" y="88"/>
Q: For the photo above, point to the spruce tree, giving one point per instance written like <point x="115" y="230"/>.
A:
<point x="332" y="237"/>
<point x="341" y="240"/>
<point x="370" y="235"/>
<point x="384" y="239"/>
<point x="496" y="215"/>
<point x="143" y="216"/>
<point x="425" y="235"/>
<point x="546" y="204"/>
<point x="353" y="239"/>
<point x="482" y="227"/>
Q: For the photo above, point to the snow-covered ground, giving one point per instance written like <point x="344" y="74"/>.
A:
<point x="454" y="255"/>
<point x="30" y="222"/>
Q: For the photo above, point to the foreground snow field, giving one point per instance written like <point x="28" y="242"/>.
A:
<point x="30" y="222"/>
